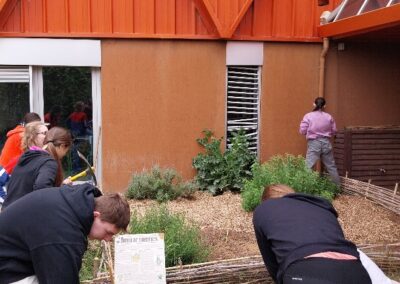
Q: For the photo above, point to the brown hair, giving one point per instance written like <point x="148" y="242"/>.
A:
<point x="30" y="133"/>
<point x="113" y="209"/>
<point x="276" y="191"/>
<point x="56" y="137"/>
<point x="30" y="117"/>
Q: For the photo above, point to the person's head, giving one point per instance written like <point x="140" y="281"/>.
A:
<point x="57" y="142"/>
<point x="79" y="106"/>
<point x="319" y="103"/>
<point x="55" y="110"/>
<point x="34" y="135"/>
<point x="276" y="191"/>
<point x="30" y="117"/>
<point x="111" y="215"/>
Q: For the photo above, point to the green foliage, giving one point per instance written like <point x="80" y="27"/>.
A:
<point x="159" y="184"/>
<point x="86" y="272"/>
<point x="182" y="240"/>
<point x="217" y="171"/>
<point x="289" y="170"/>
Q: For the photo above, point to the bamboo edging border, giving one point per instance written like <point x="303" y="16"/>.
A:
<point x="390" y="199"/>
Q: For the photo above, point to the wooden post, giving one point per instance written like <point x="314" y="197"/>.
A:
<point x="348" y="152"/>
<point x="367" y="190"/>
<point x="96" y="266"/>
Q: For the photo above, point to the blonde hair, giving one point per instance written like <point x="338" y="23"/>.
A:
<point x="276" y="191"/>
<point x="30" y="133"/>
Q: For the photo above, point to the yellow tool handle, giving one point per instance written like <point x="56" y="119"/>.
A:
<point x="81" y="174"/>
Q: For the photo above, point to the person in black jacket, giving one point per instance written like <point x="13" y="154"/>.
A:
<point x="44" y="234"/>
<point x="301" y="241"/>
<point x="40" y="167"/>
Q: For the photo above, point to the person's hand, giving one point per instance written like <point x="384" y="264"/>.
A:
<point x="67" y="181"/>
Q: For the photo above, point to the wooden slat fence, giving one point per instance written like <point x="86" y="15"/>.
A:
<point x="369" y="153"/>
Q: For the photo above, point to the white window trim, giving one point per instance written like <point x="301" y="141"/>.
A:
<point x="50" y="52"/>
<point x="97" y="130"/>
<point x="244" y="53"/>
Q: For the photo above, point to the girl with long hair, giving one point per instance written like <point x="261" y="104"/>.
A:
<point x="40" y="167"/>
<point x="33" y="135"/>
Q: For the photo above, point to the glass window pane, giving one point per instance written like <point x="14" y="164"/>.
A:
<point x="375" y="4"/>
<point x="351" y="9"/>
<point x="68" y="103"/>
<point x="14" y="99"/>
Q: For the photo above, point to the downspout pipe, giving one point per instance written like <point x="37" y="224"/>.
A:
<point x="321" y="87"/>
<point x="325" y="47"/>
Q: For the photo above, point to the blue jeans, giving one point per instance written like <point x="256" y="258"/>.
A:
<point x="321" y="148"/>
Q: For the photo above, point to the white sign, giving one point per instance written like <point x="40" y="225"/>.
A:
<point x="139" y="259"/>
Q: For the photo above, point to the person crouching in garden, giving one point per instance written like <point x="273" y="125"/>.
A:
<point x="43" y="235"/>
<point x="301" y="241"/>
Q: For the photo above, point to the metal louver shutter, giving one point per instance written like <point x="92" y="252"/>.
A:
<point x="14" y="74"/>
<point x="243" y="103"/>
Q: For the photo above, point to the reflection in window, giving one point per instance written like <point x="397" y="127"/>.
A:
<point x="350" y="9"/>
<point x="374" y="4"/>
<point x="68" y="103"/>
<point x="14" y="99"/>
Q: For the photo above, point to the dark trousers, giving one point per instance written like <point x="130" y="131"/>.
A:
<point x="317" y="270"/>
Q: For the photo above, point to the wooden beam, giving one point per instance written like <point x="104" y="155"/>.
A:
<point x="356" y="25"/>
<point x="229" y="32"/>
<point x="206" y="12"/>
<point x="2" y="3"/>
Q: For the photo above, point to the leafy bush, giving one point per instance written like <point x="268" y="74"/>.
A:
<point x="289" y="170"/>
<point x="217" y="171"/>
<point x="159" y="184"/>
<point x="94" y="250"/>
<point x="182" y="240"/>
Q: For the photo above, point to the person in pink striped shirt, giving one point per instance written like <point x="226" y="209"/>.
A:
<point x="319" y="126"/>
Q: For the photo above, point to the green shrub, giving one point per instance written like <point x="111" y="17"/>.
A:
<point x="182" y="240"/>
<point x="217" y="171"/>
<point x="289" y="170"/>
<point x="94" y="250"/>
<point x="159" y="184"/>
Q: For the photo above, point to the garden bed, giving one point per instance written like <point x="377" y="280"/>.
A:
<point x="227" y="228"/>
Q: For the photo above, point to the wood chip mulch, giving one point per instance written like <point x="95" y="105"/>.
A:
<point x="228" y="229"/>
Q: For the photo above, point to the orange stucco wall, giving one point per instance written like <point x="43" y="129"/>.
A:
<point x="157" y="97"/>
<point x="289" y="86"/>
<point x="363" y="84"/>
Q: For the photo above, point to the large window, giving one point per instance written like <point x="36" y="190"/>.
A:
<point x="14" y="97"/>
<point x="243" y="103"/>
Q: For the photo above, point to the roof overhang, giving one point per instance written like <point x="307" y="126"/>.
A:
<point x="383" y="23"/>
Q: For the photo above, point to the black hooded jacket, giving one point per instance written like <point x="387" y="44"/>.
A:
<point x="295" y="226"/>
<point x="45" y="234"/>
<point x="36" y="169"/>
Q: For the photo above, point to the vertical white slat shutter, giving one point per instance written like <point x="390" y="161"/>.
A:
<point x="243" y="103"/>
<point x="14" y="74"/>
